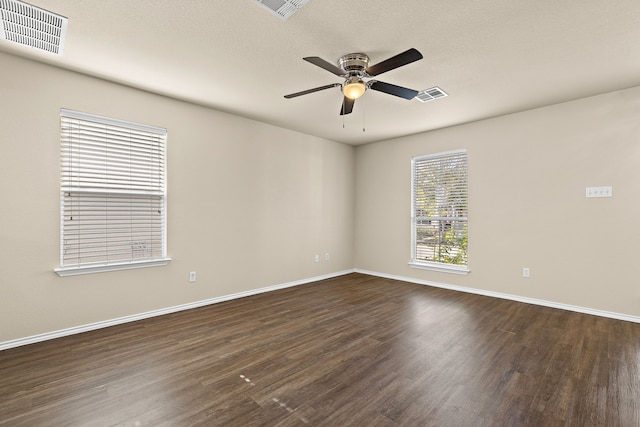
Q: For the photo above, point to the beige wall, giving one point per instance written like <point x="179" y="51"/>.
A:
<point x="249" y="205"/>
<point x="527" y="179"/>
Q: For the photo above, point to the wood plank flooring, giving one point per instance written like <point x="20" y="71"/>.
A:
<point x="350" y="351"/>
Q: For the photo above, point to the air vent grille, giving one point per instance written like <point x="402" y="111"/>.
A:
<point x="431" y="94"/>
<point x="31" y="26"/>
<point x="282" y="8"/>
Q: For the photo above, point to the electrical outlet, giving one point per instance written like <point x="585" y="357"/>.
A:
<point x="192" y="276"/>
<point x="326" y="256"/>
<point x="317" y="258"/>
<point x="526" y="272"/>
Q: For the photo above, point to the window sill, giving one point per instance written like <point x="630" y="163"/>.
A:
<point x="100" y="268"/>
<point x="442" y="268"/>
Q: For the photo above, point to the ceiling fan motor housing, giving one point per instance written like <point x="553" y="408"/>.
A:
<point x="354" y="63"/>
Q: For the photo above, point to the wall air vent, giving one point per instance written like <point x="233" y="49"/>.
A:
<point x="282" y="8"/>
<point x="431" y="94"/>
<point x="31" y="26"/>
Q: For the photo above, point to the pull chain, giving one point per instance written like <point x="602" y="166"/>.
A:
<point x="363" y="116"/>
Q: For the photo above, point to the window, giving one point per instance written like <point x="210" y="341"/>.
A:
<point x="439" y="212"/>
<point x="113" y="196"/>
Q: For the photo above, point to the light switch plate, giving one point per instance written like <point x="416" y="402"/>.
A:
<point x="599" y="191"/>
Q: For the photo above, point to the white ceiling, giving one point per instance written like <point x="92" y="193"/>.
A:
<point x="492" y="57"/>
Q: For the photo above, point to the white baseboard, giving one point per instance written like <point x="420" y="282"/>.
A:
<point x="534" y="301"/>
<point x="104" y="324"/>
<point x="126" y="319"/>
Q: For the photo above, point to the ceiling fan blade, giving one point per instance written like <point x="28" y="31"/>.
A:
<point x="400" y="91"/>
<point x="316" y="89"/>
<point x="326" y="65"/>
<point x="347" y="106"/>
<point x="404" y="58"/>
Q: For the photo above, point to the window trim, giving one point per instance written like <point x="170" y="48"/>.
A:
<point x="101" y="268"/>
<point x="430" y="265"/>
<point x="97" y="267"/>
<point x="441" y="267"/>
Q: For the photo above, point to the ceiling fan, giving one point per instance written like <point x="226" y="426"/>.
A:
<point x="354" y="68"/>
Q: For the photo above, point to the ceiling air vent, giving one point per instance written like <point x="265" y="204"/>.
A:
<point x="431" y="94"/>
<point x="282" y="8"/>
<point x="31" y="26"/>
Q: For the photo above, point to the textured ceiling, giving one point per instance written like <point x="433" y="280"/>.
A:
<point x="492" y="57"/>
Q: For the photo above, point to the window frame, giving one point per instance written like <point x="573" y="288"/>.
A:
<point x="414" y="262"/>
<point x="74" y="184"/>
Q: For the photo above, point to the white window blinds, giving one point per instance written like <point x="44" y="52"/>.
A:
<point x="439" y="210"/>
<point x="112" y="194"/>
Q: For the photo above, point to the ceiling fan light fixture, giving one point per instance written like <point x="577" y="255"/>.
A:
<point x="353" y="88"/>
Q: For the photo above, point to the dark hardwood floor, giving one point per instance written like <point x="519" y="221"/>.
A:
<point x="351" y="351"/>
